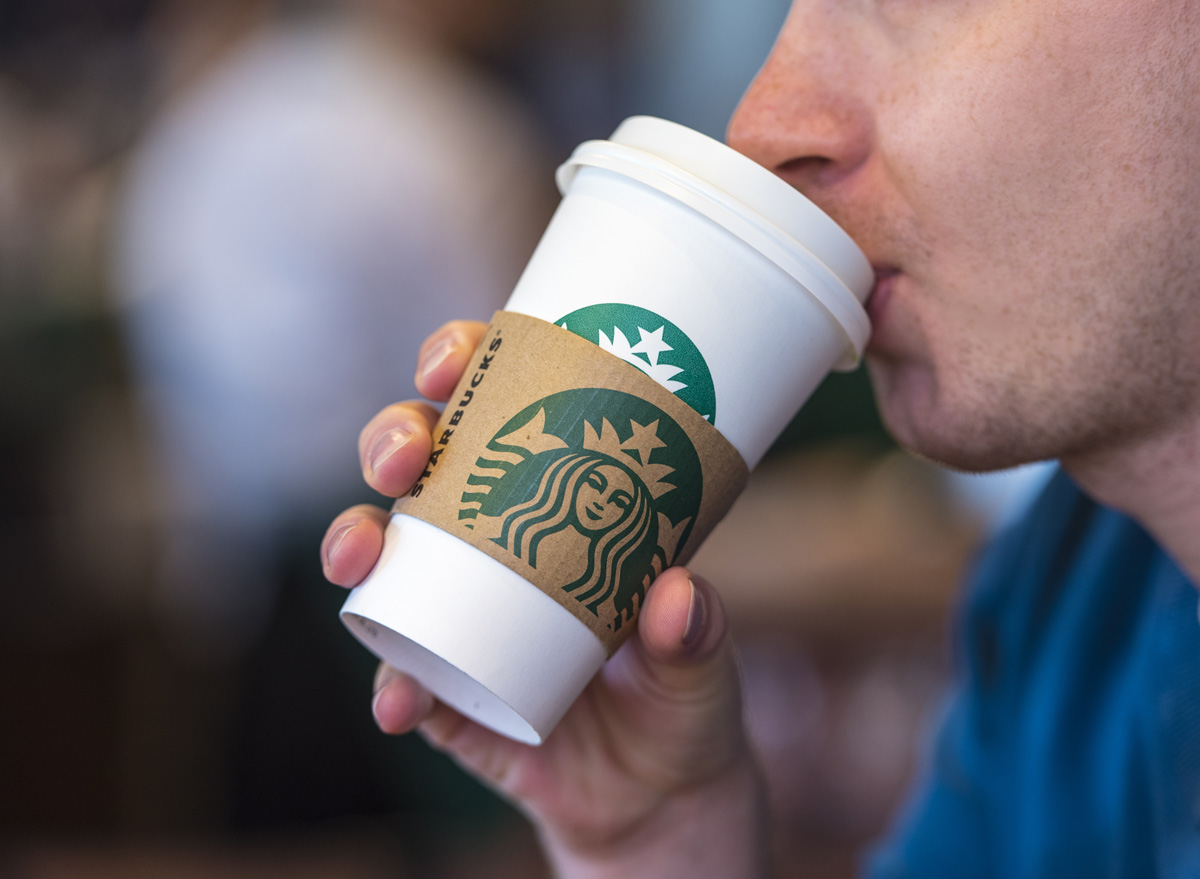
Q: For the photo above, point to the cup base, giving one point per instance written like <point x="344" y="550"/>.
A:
<point x="451" y="685"/>
<point x="431" y="608"/>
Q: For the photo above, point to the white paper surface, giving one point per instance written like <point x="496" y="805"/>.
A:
<point x="766" y="341"/>
<point x="510" y="656"/>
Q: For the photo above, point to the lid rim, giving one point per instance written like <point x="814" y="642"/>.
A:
<point x="755" y="186"/>
<point x="824" y="284"/>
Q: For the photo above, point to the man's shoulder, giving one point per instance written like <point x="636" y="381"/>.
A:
<point x="1067" y="580"/>
<point x="1059" y="754"/>
<point x="1063" y="538"/>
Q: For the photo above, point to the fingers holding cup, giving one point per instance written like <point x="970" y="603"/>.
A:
<point x="445" y="356"/>
<point x="400" y="704"/>
<point x="394" y="446"/>
<point x="352" y="545"/>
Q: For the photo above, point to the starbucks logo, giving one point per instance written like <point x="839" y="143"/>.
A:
<point x="654" y="345"/>
<point x="596" y="487"/>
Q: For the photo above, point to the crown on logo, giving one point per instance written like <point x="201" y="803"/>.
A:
<point x="634" y="452"/>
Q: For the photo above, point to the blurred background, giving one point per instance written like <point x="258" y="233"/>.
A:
<point x="225" y="226"/>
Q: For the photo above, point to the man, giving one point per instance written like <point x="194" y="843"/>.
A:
<point x="1025" y="178"/>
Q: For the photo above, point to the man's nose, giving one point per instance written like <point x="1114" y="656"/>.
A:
<point x="803" y="117"/>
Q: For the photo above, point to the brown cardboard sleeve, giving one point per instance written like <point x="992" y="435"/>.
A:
<point x="574" y="469"/>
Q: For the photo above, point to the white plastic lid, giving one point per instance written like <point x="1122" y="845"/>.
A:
<point x="749" y="201"/>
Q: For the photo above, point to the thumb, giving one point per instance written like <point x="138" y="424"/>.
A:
<point x="677" y="680"/>
<point x="682" y="626"/>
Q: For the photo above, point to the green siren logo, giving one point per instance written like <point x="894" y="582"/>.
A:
<point x="661" y="349"/>
<point x="594" y="486"/>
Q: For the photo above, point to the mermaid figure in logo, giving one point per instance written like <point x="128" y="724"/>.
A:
<point x="587" y="513"/>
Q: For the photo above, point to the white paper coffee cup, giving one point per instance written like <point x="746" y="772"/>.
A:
<point x="715" y="279"/>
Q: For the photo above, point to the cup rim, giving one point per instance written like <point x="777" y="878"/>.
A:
<point x="756" y="187"/>
<point x="744" y="220"/>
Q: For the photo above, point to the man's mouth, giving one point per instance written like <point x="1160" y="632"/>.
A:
<point x="877" y="301"/>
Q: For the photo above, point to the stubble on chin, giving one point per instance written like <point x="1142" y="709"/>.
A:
<point x="965" y="415"/>
<point x="978" y="418"/>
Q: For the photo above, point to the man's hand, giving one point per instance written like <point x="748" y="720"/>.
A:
<point x="649" y="773"/>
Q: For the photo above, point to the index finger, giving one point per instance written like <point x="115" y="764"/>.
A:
<point x="445" y="356"/>
<point x="394" y="447"/>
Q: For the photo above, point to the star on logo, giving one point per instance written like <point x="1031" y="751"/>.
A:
<point x="651" y="344"/>
<point x="643" y="441"/>
<point x="663" y="373"/>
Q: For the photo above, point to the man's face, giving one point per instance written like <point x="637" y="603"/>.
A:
<point x="1025" y="177"/>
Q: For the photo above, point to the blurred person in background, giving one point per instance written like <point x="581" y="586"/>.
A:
<point x="321" y="187"/>
<point x="323" y="183"/>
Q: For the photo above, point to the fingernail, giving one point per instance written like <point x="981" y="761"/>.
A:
<point x="695" y="617"/>
<point x="375" y="704"/>
<point x="335" y="540"/>
<point x="437" y="355"/>
<point x="389" y="442"/>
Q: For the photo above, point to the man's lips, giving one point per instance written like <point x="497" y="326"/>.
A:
<point x="877" y="305"/>
<point x="885" y="279"/>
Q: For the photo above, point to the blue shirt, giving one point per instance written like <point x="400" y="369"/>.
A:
<point x="1072" y="744"/>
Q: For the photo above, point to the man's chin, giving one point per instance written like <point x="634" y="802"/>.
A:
<point x="954" y="437"/>
<point x="966" y="449"/>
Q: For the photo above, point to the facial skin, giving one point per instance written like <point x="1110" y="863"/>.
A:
<point x="603" y="498"/>
<point x="1025" y="177"/>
